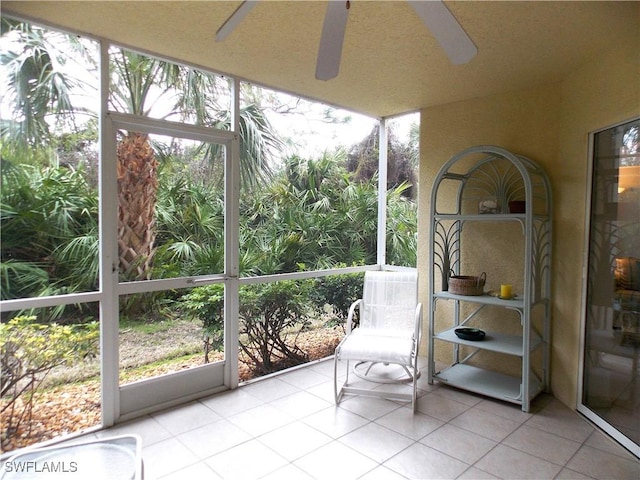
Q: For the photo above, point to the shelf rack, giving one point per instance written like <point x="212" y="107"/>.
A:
<point x="468" y="178"/>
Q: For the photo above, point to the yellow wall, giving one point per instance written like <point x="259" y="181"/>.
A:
<point x="550" y="124"/>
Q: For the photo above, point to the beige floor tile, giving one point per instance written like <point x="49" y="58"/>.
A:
<point x="419" y="461"/>
<point x="460" y="396"/>
<point x="295" y="440"/>
<point x="184" y="418"/>
<point x="324" y="367"/>
<point x="507" y="462"/>
<point x="568" y="474"/>
<point x="376" y="442"/>
<point x="602" y="442"/>
<point x="382" y="473"/>
<point x="288" y="427"/>
<point x="368" y="407"/>
<point x="267" y="390"/>
<point x="474" y="473"/>
<point x="260" y="420"/>
<point x="165" y="457"/>
<point x="440" y="407"/>
<point x="199" y="470"/>
<point x="542" y="444"/>
<point x="324" y="391"/>
<point x="303" y="378"/>
<point x="558" y="419"/>
<point x="486" y="424"/>
<point x="231" y="402"/>
<point x="335" y="421"/>
<point x="458" y="443"/>
<point x="149" y="429"/>
<point x="380" y="372"/>
<point x="423" y="384"/>
<point x="248" y="460"/>
<point x="300" y="404"/>
<point x="600" y="464"/>
<point x="213" y="438"/>
<point x="396" y="388"/>
<point x="335" y="461"/>
<point x="503" y="409"/>
<point x="413" y="425"/>
<point x="288" y="472"/>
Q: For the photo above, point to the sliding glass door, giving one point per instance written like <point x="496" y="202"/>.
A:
<point x="610" y="381"/>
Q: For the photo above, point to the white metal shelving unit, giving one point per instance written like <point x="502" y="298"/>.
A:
<point x="473" y="175"/>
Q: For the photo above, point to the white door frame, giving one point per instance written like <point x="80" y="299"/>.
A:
<point x="156" y="393"/>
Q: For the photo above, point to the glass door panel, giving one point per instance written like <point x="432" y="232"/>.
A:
<point x="611" y="390"/>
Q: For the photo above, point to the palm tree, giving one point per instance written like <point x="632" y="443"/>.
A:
<point x="402" y="159"/>
<point x="139" y="82"/>
<point x="39" y="89"/>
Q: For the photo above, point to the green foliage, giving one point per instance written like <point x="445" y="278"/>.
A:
<point x="39" y="87"/>
<point x="49" y="231"/>
<point x="190" y="227"/>
<point x="207" y="304"/>
<point x="402" y="228"/>
<point x="338" y="291"/>
<point x="270" y="314"/>
<point x="312" y="216"/>
<point x="28" y="352"/>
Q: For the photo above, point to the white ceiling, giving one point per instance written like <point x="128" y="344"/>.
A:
<point x="390" y="62"/>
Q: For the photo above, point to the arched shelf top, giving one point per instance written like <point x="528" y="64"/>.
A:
<point x="491" y="179"/>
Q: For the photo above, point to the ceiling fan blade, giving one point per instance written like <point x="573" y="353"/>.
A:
<point x="446" y="30"/>
<point x="330" y="50"/>
<point x="236" y="17"/>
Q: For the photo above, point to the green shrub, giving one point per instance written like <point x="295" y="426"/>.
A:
<point x="270" y="314"/>
<point x="28" y="352"/>
<point x="207" y="304"/>
<point x="338" y="291"/>
<point x="271" y="317"/>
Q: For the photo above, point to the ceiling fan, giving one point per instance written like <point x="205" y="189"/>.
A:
<point x="434" y="13"/>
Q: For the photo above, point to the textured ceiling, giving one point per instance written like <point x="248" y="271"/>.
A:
<point x="390" y="62"/>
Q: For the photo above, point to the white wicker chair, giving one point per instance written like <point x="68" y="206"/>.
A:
<point x="388" y="334"/>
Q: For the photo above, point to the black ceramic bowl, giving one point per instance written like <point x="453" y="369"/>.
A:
<point x="466" y="333"/>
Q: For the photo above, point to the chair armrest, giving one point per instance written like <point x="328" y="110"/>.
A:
<point x="418" y="323"/>
<point x="352" y="310"/>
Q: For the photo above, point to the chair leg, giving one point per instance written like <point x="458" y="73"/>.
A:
<point x="414" y="395"/>
<point x="415" y="376"/>
<point x="338" y="392"/>
<point x="335" y="380"/>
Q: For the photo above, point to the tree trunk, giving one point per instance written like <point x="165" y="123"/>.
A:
<point x="137" y="192"/>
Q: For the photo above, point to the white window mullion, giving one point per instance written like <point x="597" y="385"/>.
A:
<point x="232" y="244"/>
<point x="382" y="195"/>
<point x="109" y="356"/>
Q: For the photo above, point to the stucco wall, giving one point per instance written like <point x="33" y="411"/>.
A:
<point x="549" y="124"/>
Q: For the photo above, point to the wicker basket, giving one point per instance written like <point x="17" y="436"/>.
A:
<point x="467" y="285"/>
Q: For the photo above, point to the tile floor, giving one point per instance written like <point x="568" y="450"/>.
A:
<point x="287" y="427"/>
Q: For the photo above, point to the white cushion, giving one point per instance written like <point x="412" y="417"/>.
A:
<point x="377" y="345"/>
